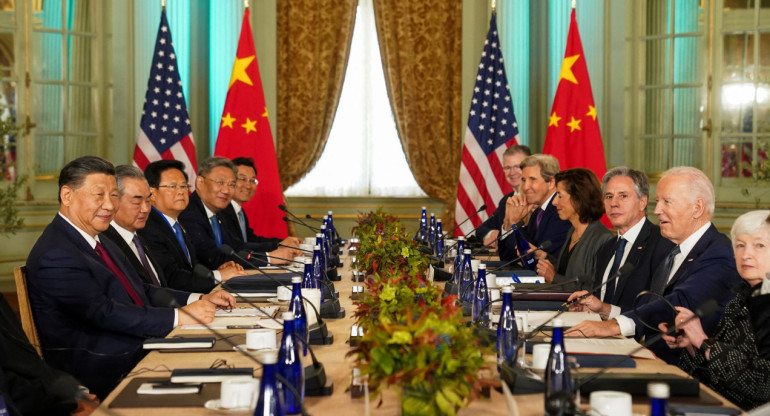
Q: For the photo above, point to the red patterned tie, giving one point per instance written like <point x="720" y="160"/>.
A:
<point x="114" y="268"/>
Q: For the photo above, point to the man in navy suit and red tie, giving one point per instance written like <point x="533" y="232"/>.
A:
<point x="92" y="310"/>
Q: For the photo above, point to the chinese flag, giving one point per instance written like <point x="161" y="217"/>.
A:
<point x="573" y="134"/>
<point x="244" y="131"/>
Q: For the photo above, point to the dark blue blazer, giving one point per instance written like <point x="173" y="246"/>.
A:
<point x="168" y="256"/>
<point x="88" y="324"/>
<point x="230" y="220"/>
<point x="495" y="221"/>
<point x="647" y="252"/>
<point x="707" y="273"/>
<point x="551" y="228"/>
<point x="198" y="228"/>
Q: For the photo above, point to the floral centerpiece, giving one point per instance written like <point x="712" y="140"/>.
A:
<point x="414" y="337"/>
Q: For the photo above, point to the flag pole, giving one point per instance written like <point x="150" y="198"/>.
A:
<point x="163" y="3"/>
<point x="494" y="5"/>
<point x="573" y="4"/>
<point x="246" y="3"/>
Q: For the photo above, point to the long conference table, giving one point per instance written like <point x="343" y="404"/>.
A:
<point x="338" y="368"/>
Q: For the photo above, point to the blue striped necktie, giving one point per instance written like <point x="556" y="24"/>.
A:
<point x="217" y="231"/>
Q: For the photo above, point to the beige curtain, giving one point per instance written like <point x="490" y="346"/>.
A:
<point x="421" y="49"/>
<point x="313" y="46"/>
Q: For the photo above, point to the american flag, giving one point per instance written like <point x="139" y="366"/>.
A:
<point x="165" y="131"/>
<point x="491" y="129"/>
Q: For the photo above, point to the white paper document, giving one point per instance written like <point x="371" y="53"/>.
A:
<point x="616" y="346"/>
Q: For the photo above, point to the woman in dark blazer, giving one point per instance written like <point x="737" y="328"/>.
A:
<point x="736" y="361"/>
<point x="578" y="200"/>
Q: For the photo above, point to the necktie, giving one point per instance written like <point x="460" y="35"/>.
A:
<point x="538" y="216"/>
<point x="217" y="231"/>
<point x="242" y="222"/>
<point x="609" y="292"/>
<point x="116" y="271"/>
<point x="144" y="260"/>
<point x="661" y="276"/>
<point x="180" y="239"/>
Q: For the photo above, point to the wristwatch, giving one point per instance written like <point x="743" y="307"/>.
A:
<point x="706" y="345"/>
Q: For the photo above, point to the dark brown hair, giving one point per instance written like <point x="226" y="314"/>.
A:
<point x="584" y="191"/>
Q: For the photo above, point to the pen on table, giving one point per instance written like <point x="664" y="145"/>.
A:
<point x="243" y="326"/>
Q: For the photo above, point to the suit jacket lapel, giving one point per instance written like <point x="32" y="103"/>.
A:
<point x="696" y="251"/>
<point x="637" y="250"/>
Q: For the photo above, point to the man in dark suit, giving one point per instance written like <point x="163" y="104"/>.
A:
<point x="168" y="243"/>
<point x="538" y="187"/>
<point x="489" y="230"/>
<point x="638" y="242"/>
<point x="234" y="217"/>
<point x="214" y="188"/>
<point x="700" y="267"/>
<point x="27" y="384"/>
<point x="92" y="310"/>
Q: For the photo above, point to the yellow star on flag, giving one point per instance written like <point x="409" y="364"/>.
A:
<point x="227" y="121"/>
<point x="591" y="112"/>
<point x="554" y="120"/>
<point x="239" y="71"/>
<point x="574" y="124"/>
<point x="566" y="69"/>
<point x="249" y="125"/>
<point x="265" y="113"/>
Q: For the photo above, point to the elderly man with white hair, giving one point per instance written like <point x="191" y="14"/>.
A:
<point x="699" y="268"/>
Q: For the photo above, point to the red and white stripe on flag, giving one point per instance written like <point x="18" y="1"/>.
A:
<point x="491" y="129"/>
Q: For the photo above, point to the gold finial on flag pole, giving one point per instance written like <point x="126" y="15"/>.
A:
<point x="494" y="5"/>
<point x="573" y="4"/>
<point x="246" y="3"/>
<point x="163" y="3"/>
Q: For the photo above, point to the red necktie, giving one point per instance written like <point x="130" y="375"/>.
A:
<point x="114" y="269"/>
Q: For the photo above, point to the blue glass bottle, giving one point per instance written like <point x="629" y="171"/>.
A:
<point x="297" y="307"/>
<point x="432" y="230"/>
<point x="557" y="374"/>
<point x="325" y="246"/>
<point x="422" y="232"/>
<point x="480" y="307"/>
<point x="529" y="262"/>
<point x="466" y="278"/>
<point x="319" y="270"/>
<point x="458" y="258"/>
<point x="307" y="277"/>
<point x="507" y="331"/>
<point x="439" y="246"/>
<point x="269" y="402"/>
<point x="335" y="234"/>
<point x="659" y="394"/>
<point x="290" y="367"/>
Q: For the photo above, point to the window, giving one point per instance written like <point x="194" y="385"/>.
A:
<point x="742" y="88"/>
<point x="363" y="155"/>
<point x="68" y="84"/>
<point x="669" y="84"/>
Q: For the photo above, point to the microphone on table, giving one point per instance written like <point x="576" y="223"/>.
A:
<point x="330" y="309"/>
<point x="562" y="403"/>
<point x="310" y="217"/>
<point x="296" y="220"/>
<point x="318" y="230"/>
<point x="486" y="246"/>
<point x="542" y="247"/>
<point x="294" y="248"/>
<point x="163" y="297"/>
<point x="623" y="271"/>
<point x="248" y="254"/>
<point x="478" y="211"/>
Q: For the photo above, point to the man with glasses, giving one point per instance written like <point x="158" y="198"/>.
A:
<point x="167" y="240"/>
<point x="234" y="216"/>
<point x="512" y="158"/>
<point x="214" y="189"/>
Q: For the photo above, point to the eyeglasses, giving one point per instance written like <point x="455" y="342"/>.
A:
<point x="173" y="187"/>
<point x="509" y="168"/>
<point x="220" y="182"/>
<point x="252" y="180"/>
